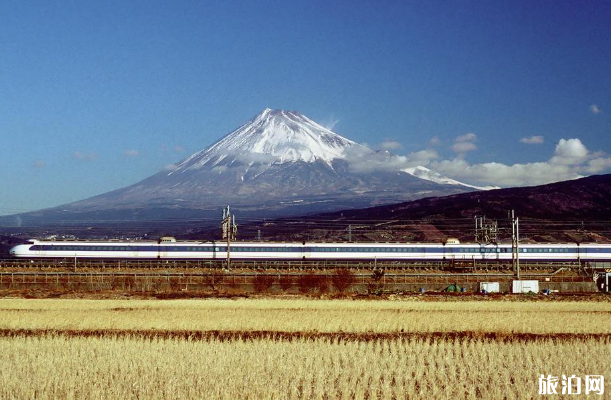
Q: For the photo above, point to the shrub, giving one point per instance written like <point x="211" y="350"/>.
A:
<point x="307" y="282"/>
<point x="322" y="283"/>
<point x="375" y="284"/>
<point x="286" y="282"/>
<point x="343" y="279"/>
<point x="263" y="282"/>
<point x="213" y="280"/>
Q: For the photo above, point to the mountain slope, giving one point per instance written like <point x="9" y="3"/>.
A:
<point x="585" y="198"/>
<point x="279" y="163"/>
<point x="577" y="210"/>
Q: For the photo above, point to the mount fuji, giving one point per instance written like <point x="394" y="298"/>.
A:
<point x="280" y="163"/>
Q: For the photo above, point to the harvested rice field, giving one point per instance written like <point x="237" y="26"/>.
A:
<point x="298" y="348"/>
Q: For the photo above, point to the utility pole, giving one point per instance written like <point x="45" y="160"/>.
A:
<point x="230" y="232"/>
<point x="515" y="243"/>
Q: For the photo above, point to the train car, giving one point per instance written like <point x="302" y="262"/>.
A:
<point x="171" y="249"/>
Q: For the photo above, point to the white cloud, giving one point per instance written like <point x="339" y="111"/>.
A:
<point x="435" y="141"/>
<point x="571" y="160"/>
<point x="467" y="137"/>
<point x="464" y="143"/>
<point x="463" y="147"/>
<point x="390" y="145"/>
<point x="170" y="167"/>
<point x="131" y="153"/>
<point x="595" y="110"/>
<point x="331" y="123"/>
<point x="599" y="164"/>
<point x="504" y="175"/>
<point x="570" y="152"/>
<point x="83" y="156"/>
<point x="532" y="140"/>
<point x="363" y="159"/>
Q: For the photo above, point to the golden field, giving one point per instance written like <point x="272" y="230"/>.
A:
<point x="298" y="315"/>
<point x="133" y="368"/>
<point x="47" y="350"/>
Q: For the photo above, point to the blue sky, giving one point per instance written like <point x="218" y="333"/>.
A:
<point x="96" y="95"/>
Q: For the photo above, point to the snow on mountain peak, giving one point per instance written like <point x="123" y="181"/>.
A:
<point x="274" y="136"/>
<point x="429" y="175"/>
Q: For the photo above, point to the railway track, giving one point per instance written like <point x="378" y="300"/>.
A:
<point x="257" y="265"/>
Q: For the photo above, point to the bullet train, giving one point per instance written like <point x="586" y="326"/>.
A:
<point x="169" y="248"/>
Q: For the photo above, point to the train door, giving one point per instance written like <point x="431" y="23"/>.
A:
<point x="162" y="252"/>
<point x="306" y="252"/>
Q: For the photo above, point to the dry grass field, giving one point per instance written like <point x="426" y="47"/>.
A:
<point x="297" y="348"/>
<point x="307" y="315"/>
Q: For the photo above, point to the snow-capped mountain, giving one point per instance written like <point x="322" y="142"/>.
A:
<point x="274" y="136"/>
<point x="278" y="163"/>
<point x="429" y="175"/>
